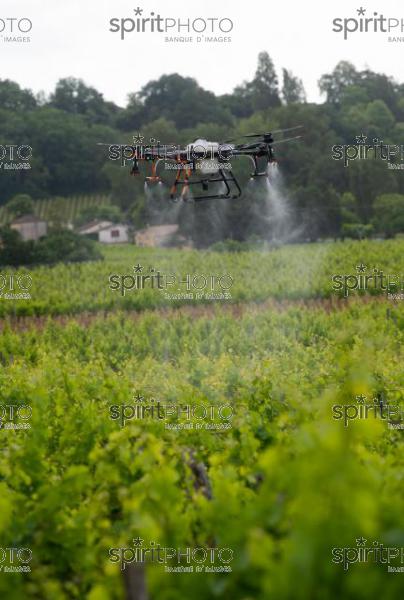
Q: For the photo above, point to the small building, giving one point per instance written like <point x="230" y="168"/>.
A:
<point x="30" y="227"/>
<point x="159" y="235"/>
<point x="105" y="232"/>
<point x="92" y="228"/>
<point x="115" y="233"/>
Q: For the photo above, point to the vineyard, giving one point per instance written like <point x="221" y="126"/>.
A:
<point x="300" y="272"/>
<point x="201" y="301"/>
<point x="244" y="452"/>
<point x="67" y="209"/>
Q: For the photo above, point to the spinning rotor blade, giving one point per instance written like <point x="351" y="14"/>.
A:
<point x="269" y="133"/>
<point x="297" y="137"/>
<point x="255" y="135"/>
<point x="288" y="129"/>
<point x="257" y="145"/>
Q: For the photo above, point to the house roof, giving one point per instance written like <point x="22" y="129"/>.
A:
<point x="27" y="219"/>
<point x="94" y="226"/>
<point x="112" y="226"/>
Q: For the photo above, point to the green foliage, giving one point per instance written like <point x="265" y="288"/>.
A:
<point x="13" y="250"/>
<point x="292" y="88"/>
<point x="125" y="189"/>
<point x="233" y="246"/>
<point x="263" y="89"/>
<point x="58" y="246"/>
<point x="349" y="208"/>
<point x="380" y="116"/>
<point x="73" y="96"/>
<point x="13" y="98"/>
<point x="67" y="208"/>
<point x="334" y="84"/>
<point x="66" y="246"/>
<point x="175" y="98"/>
<point x="389" y="213"/>
<point x="288" y="482"/>
<point x="356" y="231"/>
<point x="21" y="204"/>
<point x="106" y="212"/>
<point x="282" y="274"/>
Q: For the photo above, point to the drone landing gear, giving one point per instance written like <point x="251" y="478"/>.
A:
<point x="186" y="182"/>
<point x="153" y="178"/>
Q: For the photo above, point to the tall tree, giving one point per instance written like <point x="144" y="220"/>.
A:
<point x="12" y="97"/>
<point x="74" y="96"/>
<point x="334" y="84"/>
<point x="292" y="88"/>
<point x="181" y="100"/>
<point x="20" y="204"/>
<point x="264" y="86"/>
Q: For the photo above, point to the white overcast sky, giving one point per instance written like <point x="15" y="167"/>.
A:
<point x="72" y="38"/>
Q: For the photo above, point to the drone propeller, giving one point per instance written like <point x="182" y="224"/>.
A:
<point x="296" y="137"/>
<point x="251" y="135"/>
<point x="266" y="135"/>
<point x="270" y="133"/>
<point x="288" y="129"/>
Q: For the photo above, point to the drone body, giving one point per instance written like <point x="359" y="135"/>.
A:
<point x="205" y="164"/>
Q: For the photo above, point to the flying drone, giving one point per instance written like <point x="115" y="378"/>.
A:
<point x="205" y="163"/>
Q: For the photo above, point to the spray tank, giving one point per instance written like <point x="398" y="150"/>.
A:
<point x="209" y="164"/>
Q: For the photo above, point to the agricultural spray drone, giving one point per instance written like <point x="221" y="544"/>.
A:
<point x="202" y="163"/>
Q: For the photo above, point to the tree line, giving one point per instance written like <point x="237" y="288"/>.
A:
<point x="324" y="197"/>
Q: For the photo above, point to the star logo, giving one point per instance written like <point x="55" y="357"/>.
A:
<point x="361" y="139"/>
<point x="138" y="11"/>
<point x="138" y="139"/>
<point x="360" y="541"/>
<point x="361" y="268"/>
<point x="138" y="268"/>
<point x="138" y="541"/>
<point x="138" y="398"/>
<point x="360" y="399"/>
<point x="361" y="11"/>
